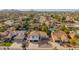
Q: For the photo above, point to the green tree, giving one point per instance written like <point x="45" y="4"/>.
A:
<point x="44" y="28"/>
<point x="2" y="28"/>
<point x="26" y="24"/>
<point x="57" y="17"/>
<point x="63" y="18"/>
<point x="64" y="28"/>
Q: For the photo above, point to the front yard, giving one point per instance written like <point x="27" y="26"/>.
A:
<point x="7" y="44"/>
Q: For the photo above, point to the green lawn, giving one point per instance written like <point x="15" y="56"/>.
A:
<point x="6" y="44"/>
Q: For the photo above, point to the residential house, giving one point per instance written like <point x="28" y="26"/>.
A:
<point x="20" y="35"/>
<point x="34" y="35"/>
<point x="37" y="36"/>
<point x="58" y="35"/>
<point x="9" y="22"/>
<point x="3" y="34"/>
<point x="15" y="36"/>
<point x="69" y="19"/>
<point x="42" y="19"/>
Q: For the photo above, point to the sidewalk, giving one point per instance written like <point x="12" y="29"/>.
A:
<point x="35" y="46"/>
<point x="16" y="46"/>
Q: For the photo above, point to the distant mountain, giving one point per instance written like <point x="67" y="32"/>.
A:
<point x="9" y="10"/>
<point x="40" y="10"/>
<point x="51" y="10"/>
<point x="58" y="10"/>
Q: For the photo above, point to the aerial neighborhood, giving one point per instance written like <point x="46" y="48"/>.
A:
<point x="39" y="30"/>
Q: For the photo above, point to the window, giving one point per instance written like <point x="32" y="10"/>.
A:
<point x="32" y="36"/>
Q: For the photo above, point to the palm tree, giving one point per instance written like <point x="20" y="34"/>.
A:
<point x="72" y="38"/>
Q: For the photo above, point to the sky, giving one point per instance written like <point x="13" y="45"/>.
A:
<point x="39" y="4"/>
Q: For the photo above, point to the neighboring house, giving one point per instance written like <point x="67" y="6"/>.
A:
<point x="37" y="35"/>
<point x="42" y="19"/>
<point x="34" y="26"/>
<point x="59" y="35"/>
<point x="20" y="34"/>
<point x="16" y="36"/>
<point x="3" y="34"/>
<point x="34" y="35"/>
<point x="9" y="22"/>
<point x="70" y="19"/>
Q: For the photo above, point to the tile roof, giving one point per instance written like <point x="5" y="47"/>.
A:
<point x="59" y="35"/>
<point x="37" y="33"/>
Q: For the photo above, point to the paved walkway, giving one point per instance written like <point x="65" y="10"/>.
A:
<point x="35" y="46"/>
<point x="16" y="46"/>
<point x="56" y="45"/>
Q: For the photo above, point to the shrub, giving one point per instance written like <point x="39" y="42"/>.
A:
<point x="7" y="44"/>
